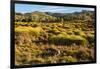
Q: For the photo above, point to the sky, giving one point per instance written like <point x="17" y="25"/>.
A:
<point x="27" y="8"/>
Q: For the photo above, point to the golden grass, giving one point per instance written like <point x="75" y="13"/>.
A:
<point x="34" y="31"/>
<point x="67" y="54"/>
<point x="30" y="52"/>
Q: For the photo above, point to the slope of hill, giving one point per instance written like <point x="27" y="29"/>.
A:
<point x="37" y="16"/>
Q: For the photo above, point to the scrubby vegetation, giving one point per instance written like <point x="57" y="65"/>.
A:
<point x="42" y="38"/>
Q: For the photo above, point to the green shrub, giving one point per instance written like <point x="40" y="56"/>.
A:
<point x="54" y="31"/>
<point x="59" y="39"/>
<point x="90" y="38"/>
<point x="37" y="60"/>
<point x="70" y="52"/>
<point x="79" y="32"/>
<point x="71" y="59"/>
<point x="78" y="40"/>
<point x="34" y="31"/>
<point x="67" y="40"/>
<point x="67" y="59"/>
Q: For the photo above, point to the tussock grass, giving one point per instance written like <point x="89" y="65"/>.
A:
<point x="40" y="43"/>
<point x="35" y="31"/>
<point x="68" y="40"/>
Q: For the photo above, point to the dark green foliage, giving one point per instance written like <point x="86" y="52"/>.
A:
<point x="90" y="38"/>
<point x="68" y="40"/>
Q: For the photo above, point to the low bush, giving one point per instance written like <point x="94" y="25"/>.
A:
<point x="79" y="32"/>
<point x="36" y="60"/>
<point x="54" y="31"/>
<point x="67" y="40"/>
<point x="69" y="52"/>
<point x="90" y="38"/>
<point x="85" y="54"/>
<point x="67" y="59"/>
<point x="34" y="31"/>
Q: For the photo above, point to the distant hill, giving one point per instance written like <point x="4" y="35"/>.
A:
<point x="37" y="16"/>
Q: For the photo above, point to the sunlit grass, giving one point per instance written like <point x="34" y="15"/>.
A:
<point x="43" y="43"/>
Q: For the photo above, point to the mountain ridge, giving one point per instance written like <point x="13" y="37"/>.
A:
<point x="54" y="17"/>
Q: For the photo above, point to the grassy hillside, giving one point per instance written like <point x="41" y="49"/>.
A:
<point x="54" y="40"/>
